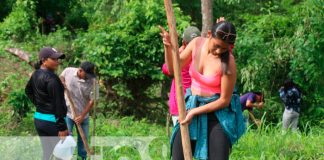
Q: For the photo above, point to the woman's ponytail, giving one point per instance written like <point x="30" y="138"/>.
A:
<point x="225" y="61"/>
<point x="38" y="64"/>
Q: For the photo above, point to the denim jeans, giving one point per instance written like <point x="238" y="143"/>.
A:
<point x="85" y="127"/>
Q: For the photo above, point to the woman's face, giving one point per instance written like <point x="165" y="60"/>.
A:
<point x="217" y="46"/>
<point x="51" y="63"/>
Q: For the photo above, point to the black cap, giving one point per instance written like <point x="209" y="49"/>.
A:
<point x="48" y="52"/>
<point x="88" y="68"/>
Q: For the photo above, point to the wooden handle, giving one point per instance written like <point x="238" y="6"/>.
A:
<point x="83" y="137"/>
<point x="178" y="80"/>
<point x="254" y="120"/>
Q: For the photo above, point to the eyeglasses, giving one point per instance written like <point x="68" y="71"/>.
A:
<point x="228" y="37"/>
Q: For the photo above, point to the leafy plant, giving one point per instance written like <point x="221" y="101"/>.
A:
<point x="128" y="52"/>
<point x="20" y="103"/>
<point x="19" y="22"/>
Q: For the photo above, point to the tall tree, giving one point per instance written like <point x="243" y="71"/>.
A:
<point x="207" y="16"/>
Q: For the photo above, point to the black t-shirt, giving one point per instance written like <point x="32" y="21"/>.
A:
<point x="46" y="91"/>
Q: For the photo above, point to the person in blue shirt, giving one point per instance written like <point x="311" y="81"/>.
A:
<point x="291" y="97"/>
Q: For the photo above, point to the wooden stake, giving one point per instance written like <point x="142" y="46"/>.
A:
<point x="178" y="80"/>
<point x="168" y="125"/>
<point x="83" y="137"/>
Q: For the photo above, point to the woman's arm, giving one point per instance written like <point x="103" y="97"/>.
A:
<point x="250" y="104"/>
<point x="29" y="91"/>
<point x="227" y="87"/>
<point x="185" y="56"/>
<point x="56" y="92"/>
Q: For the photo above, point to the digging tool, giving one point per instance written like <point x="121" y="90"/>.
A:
<point x="95" y="103"/>
<point x="83" y="137"/>
<point x="254" y="120"/>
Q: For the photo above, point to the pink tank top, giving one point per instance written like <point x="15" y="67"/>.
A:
<point x="201" y="83"/>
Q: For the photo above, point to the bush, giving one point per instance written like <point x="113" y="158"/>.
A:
<point x="20" y="22"/>
<point x="272" y="48"/>
<point x="20" y="103"/>
<point x="128" y="52"/>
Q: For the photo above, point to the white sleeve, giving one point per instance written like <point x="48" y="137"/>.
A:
<point x="63" y="74"/>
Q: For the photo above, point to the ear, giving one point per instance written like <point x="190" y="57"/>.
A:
<point x="209" y="34"/>
<point x="44" y="60"/>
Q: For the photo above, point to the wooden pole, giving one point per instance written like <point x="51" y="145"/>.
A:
<point x="83" y="137"/>
<point x="178" y="80"/>
<point x="95" y="103"/>
<point x="168" y="125"/>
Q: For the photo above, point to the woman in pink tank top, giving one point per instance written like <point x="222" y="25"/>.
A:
<point x="213" y="72"/>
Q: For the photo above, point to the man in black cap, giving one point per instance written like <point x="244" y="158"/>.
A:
<point x="79" y="82"/>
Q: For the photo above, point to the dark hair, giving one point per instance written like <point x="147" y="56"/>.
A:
<point x="260" y="94"/>
<point x="226" y="32"/>
<point x="38" y="64"/>
<point x="288" y="84"/>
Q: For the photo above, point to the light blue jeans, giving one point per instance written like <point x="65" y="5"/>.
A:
<point x="85" y="127"/>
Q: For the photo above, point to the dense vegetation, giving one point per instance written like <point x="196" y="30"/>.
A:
<point x="277" y="39"/>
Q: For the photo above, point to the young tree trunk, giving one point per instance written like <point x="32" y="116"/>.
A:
<point x="207" y="16"/>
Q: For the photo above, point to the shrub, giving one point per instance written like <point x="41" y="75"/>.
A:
<point x="20" y="103"/>
<point x="20" y="22"/>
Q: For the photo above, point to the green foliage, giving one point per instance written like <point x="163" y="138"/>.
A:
<point x="271" y="143"/>
<point x="19" y="22"/>
<point x="20" y="103"/>
<point x="5" y="8"/>
<point x="272" y="47"/>
<point x="75" y="18"/>
<point x="127" y="50"/>
<point x="133" y="40"/>
<point x="276" y="40"/>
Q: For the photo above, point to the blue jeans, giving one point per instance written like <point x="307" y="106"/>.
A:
<point x="85" y="127"/>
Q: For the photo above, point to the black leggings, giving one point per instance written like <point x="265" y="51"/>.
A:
<point x="219" y="145"/>
<point x="48" y="134"/>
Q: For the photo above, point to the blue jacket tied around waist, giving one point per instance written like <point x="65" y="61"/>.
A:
<point x="230" y="118"/>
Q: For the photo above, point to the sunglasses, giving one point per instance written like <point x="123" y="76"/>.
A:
<point x="227" y="37"/>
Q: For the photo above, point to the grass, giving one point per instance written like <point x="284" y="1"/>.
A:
<point x="268" y="142"/>
<point x="272" y="143"/>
